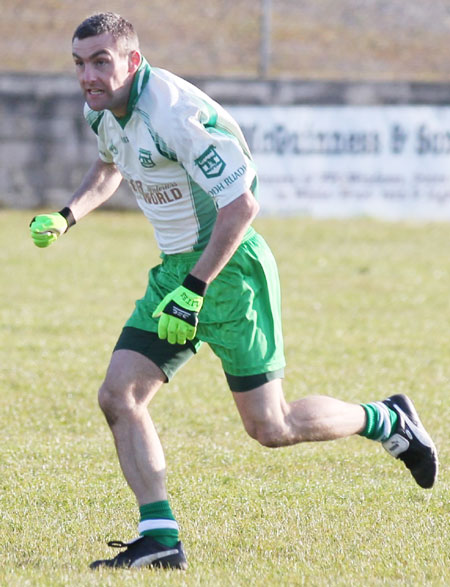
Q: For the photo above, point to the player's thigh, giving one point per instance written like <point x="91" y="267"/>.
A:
<point x="131" y="376"/>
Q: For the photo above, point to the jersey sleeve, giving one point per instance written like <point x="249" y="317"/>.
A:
<point x="211" y="153"/>
<point x="94" y="119"/>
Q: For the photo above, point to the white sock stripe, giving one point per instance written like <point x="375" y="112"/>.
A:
<point x="156" y="524"/>
<point x="384" y="412"/>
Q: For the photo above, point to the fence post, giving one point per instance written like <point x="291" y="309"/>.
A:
<point x="265" y="34"/>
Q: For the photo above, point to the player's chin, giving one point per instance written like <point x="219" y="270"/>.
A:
<point x="96" y="102"/>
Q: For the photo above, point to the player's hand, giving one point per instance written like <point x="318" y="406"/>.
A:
<point x="46" y="228"/>
<point x="178" y="313"/>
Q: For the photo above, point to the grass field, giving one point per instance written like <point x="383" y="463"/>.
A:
<point x="366" y="314"/>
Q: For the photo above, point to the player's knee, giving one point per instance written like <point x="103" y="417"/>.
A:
<point x="114" y="402"/>
<point x="268" y="434"/>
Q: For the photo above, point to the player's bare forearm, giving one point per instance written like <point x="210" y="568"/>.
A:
<point x="232" y="222"/>
<point x="98" y="185"/>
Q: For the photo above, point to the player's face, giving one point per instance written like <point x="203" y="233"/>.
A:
<point x="105" y="72"/>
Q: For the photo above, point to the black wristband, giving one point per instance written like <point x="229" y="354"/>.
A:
<point x="195" y="284"/>
<point x="67" y="214"/>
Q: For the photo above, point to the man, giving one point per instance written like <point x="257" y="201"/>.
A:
<point x="190" y="169"/>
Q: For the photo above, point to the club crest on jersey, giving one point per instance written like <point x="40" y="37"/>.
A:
<point x="145" y="157"/>
<point x="211" y="163"/>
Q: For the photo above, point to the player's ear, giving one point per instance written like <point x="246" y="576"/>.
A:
<point x="134" y="61"/>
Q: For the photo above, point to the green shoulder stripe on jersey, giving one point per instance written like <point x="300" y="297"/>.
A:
<point x="222" y="130"/>
<point x="163" y="148"/>
<point x="140" y="80"/>
<point x="93" y="118"/>
<point x="212" y="115"/>
<point x="161" y="145"/>
<point x="221" y="125"/>
<point x="237" y="134"/>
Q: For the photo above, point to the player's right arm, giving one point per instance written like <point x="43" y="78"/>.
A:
<point x="98" y="185"/>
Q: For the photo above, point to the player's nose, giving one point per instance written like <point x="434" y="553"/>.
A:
<point x="89" y="74"/>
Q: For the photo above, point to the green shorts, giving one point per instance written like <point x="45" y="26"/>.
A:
<point x="240" y="318"/>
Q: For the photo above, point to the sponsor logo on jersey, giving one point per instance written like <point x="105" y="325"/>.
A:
<point x="160" y="194"/>
<point x="228" y="181"/>
<point x="145" y="158"/>
<point x="113" y="149"/>
<point x="211" y="163"/>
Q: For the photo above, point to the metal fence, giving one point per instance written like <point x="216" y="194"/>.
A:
<point x="325" y="39"/>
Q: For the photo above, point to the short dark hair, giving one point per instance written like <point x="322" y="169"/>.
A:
<point x="108" y="22"/>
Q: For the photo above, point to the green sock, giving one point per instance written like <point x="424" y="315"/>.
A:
<point x="157" y="520"/>
<point x="381" y="421"/>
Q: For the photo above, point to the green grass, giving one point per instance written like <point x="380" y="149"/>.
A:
<point x="366" y="313"/>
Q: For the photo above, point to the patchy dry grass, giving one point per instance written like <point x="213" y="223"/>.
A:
<point x="325" y="39"/>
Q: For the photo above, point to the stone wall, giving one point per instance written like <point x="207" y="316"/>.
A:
<point x="46" y="146"/>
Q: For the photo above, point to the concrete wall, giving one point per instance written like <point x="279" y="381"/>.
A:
<point x="46" y="146"/>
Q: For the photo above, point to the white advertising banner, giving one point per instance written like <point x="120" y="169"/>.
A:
<point x="339" y="161"/>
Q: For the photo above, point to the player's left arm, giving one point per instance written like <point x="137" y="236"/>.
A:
<point x="178" y="311"/>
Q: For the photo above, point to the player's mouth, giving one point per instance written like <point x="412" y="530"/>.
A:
<point x="93" y="92"/>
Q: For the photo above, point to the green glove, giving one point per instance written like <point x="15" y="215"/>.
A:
<point x="46" y="228"/>
<point x="179" y="310"/>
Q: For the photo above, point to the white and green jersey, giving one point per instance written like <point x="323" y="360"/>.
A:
<point x="182" y="154"/>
